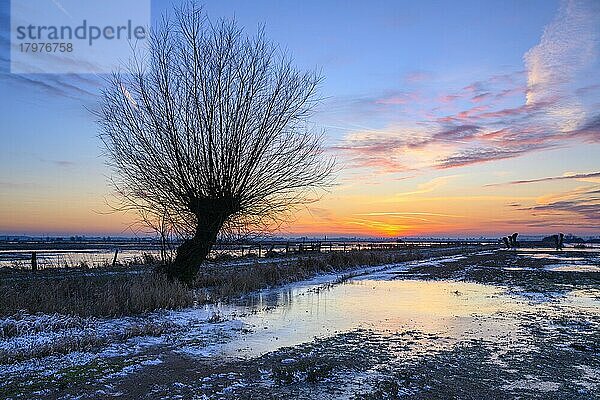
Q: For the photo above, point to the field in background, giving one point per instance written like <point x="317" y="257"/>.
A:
<point x="101" y="253"/>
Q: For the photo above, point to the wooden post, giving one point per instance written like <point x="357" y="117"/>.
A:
<point x="34" y="261"/>
<point x="115" y="258"/>
<point x="259" y="250"/>
<point x="287" y="247"/>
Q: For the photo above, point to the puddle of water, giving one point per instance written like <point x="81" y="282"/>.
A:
<point x="455" y="311"/>
<point x="573" y="267"/>
<point x="445" y="308"/>
<point x="446" y="312"/>
<point x="58" y="258"/>
<point x="593" y="248"/>
<point x="557" y="256"/>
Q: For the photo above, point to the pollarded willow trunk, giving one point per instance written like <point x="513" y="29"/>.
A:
<point x="191" y="253"/>
<point x="211" y="215"/>
<point x="209" y="130"/>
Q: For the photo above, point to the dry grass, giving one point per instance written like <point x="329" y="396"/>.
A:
<point x="119" y="293"/>
<point x="94" y="294"/>
<point x="226" y="281"/>
<point x="21" y="325"/>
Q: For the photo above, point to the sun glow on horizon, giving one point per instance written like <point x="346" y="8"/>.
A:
<point x="439" y="128"/>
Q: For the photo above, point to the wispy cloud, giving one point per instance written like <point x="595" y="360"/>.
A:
<point x="566" y="48"/>
<point x="481" y="97"/>
<point x="417" y="76"/>
<point x="430" y="186"/>
<point x="84" y="88"/>
<point x="396" y="98"/>
<point x="590" y="131"/>
<point x="63" y="163"/>
<point x="583" y="176"/>
<point x="322" y="214"/>
<point x="549" y="104"/>
<point x="394" y="214"/>
<point x="59" y="163"/>
<point x="485" y="154"/>
<point x="581" y="205"/>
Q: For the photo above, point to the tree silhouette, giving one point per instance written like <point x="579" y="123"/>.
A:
<point x="207" y="132"/>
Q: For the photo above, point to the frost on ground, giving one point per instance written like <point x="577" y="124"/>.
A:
<point x="464" y="326"/>
<point x="40" y="350"/>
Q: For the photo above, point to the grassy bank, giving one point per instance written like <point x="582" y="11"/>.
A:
<point x="127" y="292"/>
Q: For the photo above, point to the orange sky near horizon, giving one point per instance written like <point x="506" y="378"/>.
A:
<point x="470" y="201"/>
<point x="439" y="127"/>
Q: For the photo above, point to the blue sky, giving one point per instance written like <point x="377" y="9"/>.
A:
<point x="417" y="95"/>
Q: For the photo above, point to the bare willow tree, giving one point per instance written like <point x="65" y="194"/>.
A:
<point x="207" y="132"/>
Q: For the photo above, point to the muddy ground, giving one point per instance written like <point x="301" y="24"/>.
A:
<point x="547" y="301"/>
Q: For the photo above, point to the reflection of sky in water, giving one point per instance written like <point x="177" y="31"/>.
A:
<point x="95" y="257"/>
<point x="455" y="311"/>
<point x="449" y="309"/>
<point x="567" y="255"/>
<point x="573" y="267"/>
<point x="417" y="316"/>
<point x="69" y="258"/>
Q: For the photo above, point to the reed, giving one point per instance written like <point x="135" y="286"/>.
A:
<point x="120" y="292"/>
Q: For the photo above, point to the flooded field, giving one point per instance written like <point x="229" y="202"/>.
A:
<point x="497" y="324"/>
<point x="101" y="254"/>
<point x="60" y="258"/>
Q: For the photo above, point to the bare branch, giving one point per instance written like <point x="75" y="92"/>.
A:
<point x="208" y="131"/>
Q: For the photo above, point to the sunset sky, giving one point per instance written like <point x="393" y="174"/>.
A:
<point x="462" y="118"/>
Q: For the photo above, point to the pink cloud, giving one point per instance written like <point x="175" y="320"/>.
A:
<point x="449" y="98"/>
<point x="397" y="98"/>
<point x="417" y="76"/>
<point x="481" y="97"/>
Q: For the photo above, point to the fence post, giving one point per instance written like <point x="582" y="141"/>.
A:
<point x="115" y="258"/>
<point x="34" y="261"/>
